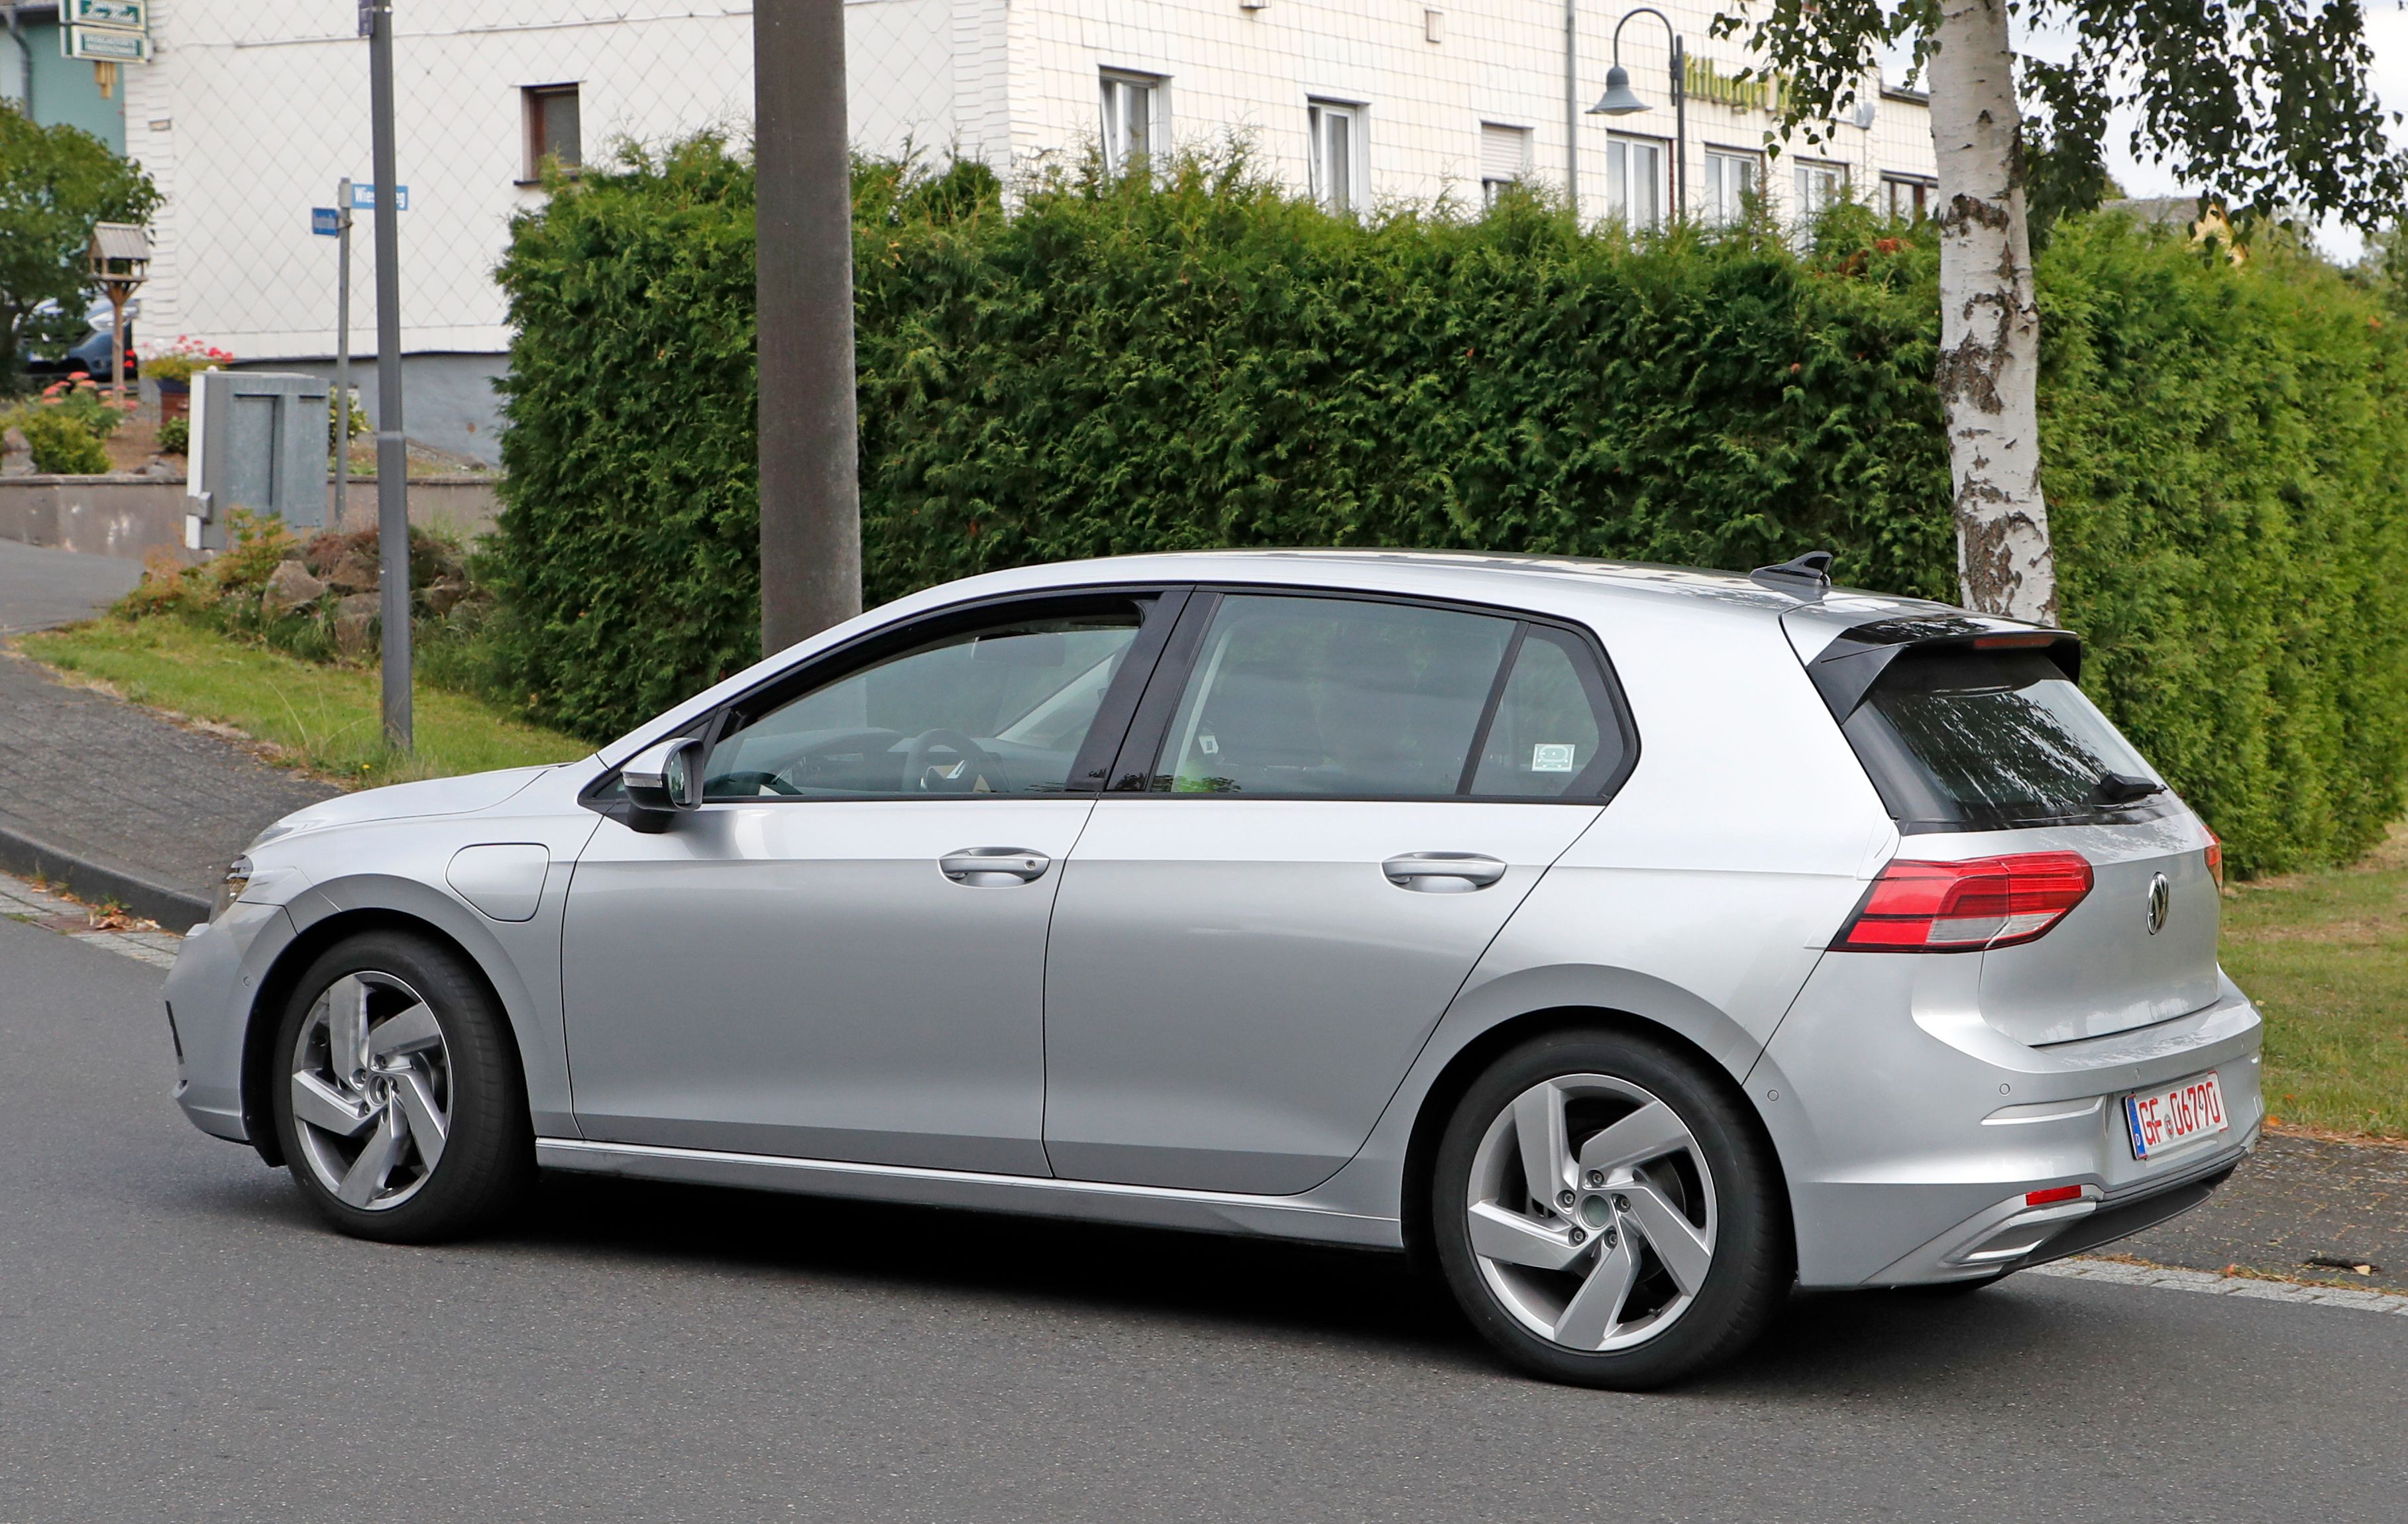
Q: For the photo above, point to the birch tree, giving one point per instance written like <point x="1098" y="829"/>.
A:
<point x="2264" y="105"/>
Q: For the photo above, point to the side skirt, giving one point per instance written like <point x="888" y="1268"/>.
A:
<point x="1151" y="1206"/>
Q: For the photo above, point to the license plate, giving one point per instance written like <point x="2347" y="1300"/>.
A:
<point x="2164" y="1119"/>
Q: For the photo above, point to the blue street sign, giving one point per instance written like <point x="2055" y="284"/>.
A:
<point x="327" y="222"/>
<point x="363" y="197"/>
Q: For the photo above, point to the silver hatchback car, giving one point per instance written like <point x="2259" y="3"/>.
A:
<point x="1630" y="944"/>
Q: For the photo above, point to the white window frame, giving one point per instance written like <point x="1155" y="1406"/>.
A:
<point x="1807" y="174"/>
<point x="1335" y="124"/>
<point x="1721" y="203"/>
<point x="1118" y="89"/>
<point x="1490" y="184"/>
<point x="1622" y="182"/>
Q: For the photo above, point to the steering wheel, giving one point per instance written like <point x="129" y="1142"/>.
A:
<point x="976" y="762"/>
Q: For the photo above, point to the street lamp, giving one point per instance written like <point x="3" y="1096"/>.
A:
<point x="1620" y="100"/>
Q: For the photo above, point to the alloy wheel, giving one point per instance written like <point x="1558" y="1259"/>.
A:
<point x="1591" y="1213"/>
<point x="372" y="1090"/>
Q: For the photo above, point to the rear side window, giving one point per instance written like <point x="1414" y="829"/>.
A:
<point x="1307" y="696"/>
<point x="1970" y="741"/>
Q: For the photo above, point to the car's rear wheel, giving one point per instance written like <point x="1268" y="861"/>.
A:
<point x="1605" y="1213"/>
<point x="398" y="1096"/>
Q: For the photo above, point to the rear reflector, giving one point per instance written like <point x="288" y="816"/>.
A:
<point x="2215" y="857"/>
<point x="1960" y="907"/>
<point x="2052" y="1196"/>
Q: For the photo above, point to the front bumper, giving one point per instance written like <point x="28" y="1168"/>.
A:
<point x="209" y="993"/>
<point x="1912" y="1130"/>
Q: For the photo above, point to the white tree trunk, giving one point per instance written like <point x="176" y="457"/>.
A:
<point x="1989" y="323"/>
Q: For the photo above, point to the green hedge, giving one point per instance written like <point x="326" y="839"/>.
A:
<point x="1115" y="367"/>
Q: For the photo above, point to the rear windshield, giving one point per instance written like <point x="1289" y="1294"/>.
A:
<point x="1976" y="740"/>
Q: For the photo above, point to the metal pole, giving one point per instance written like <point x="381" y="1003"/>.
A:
<point x="1680" y="129"/>
<point x="809" y="442"/>
<point x="393" y="454"/>
<point x="342" y="355"/>
<point x="1571" y="107"/>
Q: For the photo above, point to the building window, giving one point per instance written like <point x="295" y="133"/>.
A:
<point x="1732" y="180"/>
<point x="1820" y="186"/>
<point x="1634" y="181"/>
<point x="1133" y="124"/>
<point x="1336" y="132"/>
<point x="1504" y="158"/>
<point x="551" y="129"/>
<point x="1906" y="200"/>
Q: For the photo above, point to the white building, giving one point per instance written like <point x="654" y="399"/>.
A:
<point x="252" y="112"/>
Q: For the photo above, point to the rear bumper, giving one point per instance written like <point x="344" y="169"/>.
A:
<point x="1911" y="1131"/>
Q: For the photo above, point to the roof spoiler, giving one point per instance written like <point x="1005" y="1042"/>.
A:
<point x="1848" y="667"/>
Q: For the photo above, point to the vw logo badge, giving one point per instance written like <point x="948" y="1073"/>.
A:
<point x="2162" y="899"/>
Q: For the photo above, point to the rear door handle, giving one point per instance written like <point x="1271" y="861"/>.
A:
<point x="1443" y="872"/>
<point x="986" y="867"/>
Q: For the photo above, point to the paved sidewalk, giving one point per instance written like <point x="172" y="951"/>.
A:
<point x="108" y="800"/>
<point x="2299" y="1198"/>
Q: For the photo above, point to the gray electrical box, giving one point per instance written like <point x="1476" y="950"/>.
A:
<point x="260" y="441"/>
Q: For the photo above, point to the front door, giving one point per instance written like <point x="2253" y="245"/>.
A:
<point x="840" y="955"/>
<point x="1337" y="804"/>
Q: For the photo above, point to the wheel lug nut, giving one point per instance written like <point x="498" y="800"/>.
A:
<point x="1580" y="1235"/>
<point x="1611" y="1238"/>
<point x="1622" y="1203"/>
<point x="1596" y="1178"/>
<point x="1564" y="1200"/>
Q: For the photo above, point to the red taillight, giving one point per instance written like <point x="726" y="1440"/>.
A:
<point x="1960" y="907"/>
<point x="2215" y="857"/>
<point x="2052" y="1196"/>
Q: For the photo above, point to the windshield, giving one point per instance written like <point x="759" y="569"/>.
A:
<point x="1959" y="739"/>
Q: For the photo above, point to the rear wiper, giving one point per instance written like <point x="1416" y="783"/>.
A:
<point x="2123" y="788"/>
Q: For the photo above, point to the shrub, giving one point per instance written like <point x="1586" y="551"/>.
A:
<point x="1121" y="367"/>
<point x="184" y="359"/>
<point x="174" y="436"/>
<point x="61" y="442"/>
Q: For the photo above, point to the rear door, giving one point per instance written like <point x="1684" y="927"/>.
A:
<point x="1983" y="745"/>
<point x="1328" y="809"/>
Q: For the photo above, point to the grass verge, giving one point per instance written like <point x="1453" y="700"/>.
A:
<point x="2325" y="956"/>
<point x="321" y="717"/>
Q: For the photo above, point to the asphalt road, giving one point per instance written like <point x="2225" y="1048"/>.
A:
<point x="178" y="1339"/>
<point x="40" y="587"/>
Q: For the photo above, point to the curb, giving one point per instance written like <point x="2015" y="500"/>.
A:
<point x="89" y="880"/>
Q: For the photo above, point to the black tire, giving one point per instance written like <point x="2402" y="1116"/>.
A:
<point x="1753" y="1259"/>
<point x="487" y="1161"/>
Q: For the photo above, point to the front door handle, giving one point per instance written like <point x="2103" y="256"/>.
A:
<point x="986" y="867"/>
<point x="1443" y="872"/>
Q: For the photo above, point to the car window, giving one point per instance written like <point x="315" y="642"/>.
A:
<point x="1554" y="735"/>
<point x="1332" y="697"/>
<point x="1002" y="710"/>
<point x="1959" y="739"/>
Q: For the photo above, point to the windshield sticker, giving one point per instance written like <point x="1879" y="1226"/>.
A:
<point x="1549" y="757"/>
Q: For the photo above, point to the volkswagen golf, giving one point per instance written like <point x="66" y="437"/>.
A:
<point x="1629" y="944"/>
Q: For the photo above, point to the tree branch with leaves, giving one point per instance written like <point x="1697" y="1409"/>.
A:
<point x="55" y="182"/>
<point x="2265" y="104"/>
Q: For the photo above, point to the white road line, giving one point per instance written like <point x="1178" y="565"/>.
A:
<point x="2214" y="1285"/>
<point x="19" y="900"/>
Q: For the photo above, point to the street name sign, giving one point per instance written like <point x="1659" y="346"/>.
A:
<point x="363" y="197"/>
<point x="327" y="222"/>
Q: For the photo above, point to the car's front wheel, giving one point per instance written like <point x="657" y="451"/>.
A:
<point x="398" y="1096"/>
<point x="1606" y="1214"/>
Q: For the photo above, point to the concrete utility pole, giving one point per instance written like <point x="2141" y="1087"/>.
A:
<point x="809" y="444"/>
<point x="392" y="453"/>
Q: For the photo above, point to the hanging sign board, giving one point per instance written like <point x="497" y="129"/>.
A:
<point x="103" y="45"/>
<point x="124" y="15"/>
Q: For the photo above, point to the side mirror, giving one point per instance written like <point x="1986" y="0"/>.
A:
<point x="664" y="780"/>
